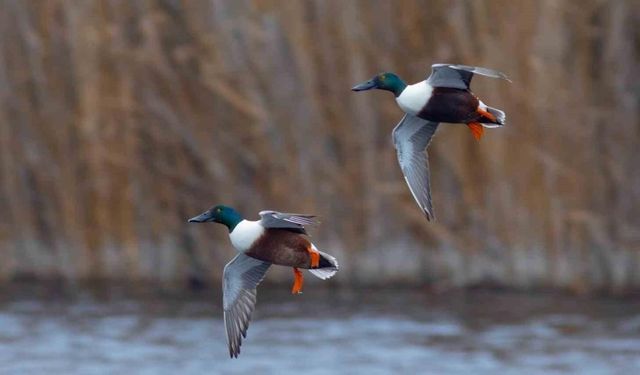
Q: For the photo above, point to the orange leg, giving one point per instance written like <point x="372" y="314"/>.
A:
<point x="297" y="282"/>
<point x="315" y="257"/>
<point x="476" y="129"/>
<point x="486" y="114"/>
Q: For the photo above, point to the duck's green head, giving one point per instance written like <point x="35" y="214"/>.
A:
<point x="383" y="81"/>
<point x="219" y="214"/>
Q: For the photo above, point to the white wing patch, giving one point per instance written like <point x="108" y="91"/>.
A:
<point x="414" y="97"/>
<point x="245" y="234"/>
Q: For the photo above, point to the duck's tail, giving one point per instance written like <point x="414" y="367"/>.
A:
<point x="488" y="117"/>
<point x="500" y="117"/>
<point x="327" y="268"/>
<point x="491" y="117"/>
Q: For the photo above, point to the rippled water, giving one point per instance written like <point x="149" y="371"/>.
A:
<point x="352" y="332"/>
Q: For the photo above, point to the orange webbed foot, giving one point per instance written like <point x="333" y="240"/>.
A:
<point x="476" y="129"/>
<point x="297" y="282"/>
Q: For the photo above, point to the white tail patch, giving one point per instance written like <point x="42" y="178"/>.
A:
<point x="327" y="272"/>
<point x="491" y="126"/>
<point x="500" y="116"/>
<point x="323" y="273"/>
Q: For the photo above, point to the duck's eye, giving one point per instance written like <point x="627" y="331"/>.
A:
<point x="219" y="210"/>
<point x="383" y="77"/>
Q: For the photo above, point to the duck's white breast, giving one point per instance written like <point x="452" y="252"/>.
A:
<point x="414" y="97"/>
<point x="245" y="234"/>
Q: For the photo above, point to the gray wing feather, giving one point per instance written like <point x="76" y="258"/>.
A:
<point x="459" y="76"/>
<point x="274" y="219"/>
<point x="411" y="137"/>
<point x="240" y="278"/>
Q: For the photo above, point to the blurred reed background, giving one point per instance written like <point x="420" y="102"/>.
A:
<point x="121" y="119"/>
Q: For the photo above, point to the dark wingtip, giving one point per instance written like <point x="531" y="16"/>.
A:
<point x="233" y="354"/>
<point x="428" y="215"/>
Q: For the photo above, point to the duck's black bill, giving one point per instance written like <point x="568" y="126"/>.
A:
<point x="202" y="218"/>
<point x="370" y="84"/>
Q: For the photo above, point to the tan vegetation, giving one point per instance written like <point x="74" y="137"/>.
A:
<point x="121" y="119"/>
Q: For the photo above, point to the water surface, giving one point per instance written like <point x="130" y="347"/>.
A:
<point x="369" y="331"/>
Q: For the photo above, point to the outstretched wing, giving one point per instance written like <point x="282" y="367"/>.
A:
<point x="459" y="76"/>
<point x="411" y="137"/>
<point x="281" y="220"/>
<point x="239" y="281"/>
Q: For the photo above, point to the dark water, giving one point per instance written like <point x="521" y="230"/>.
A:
<point x="321" y="332"/>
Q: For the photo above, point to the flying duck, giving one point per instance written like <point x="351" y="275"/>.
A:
<point x="443" y="97"/>
<point x="277" y="238"/>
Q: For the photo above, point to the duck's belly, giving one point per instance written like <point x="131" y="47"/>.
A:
<point x="450" y="105"/>
<point x="282" y="247"/>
